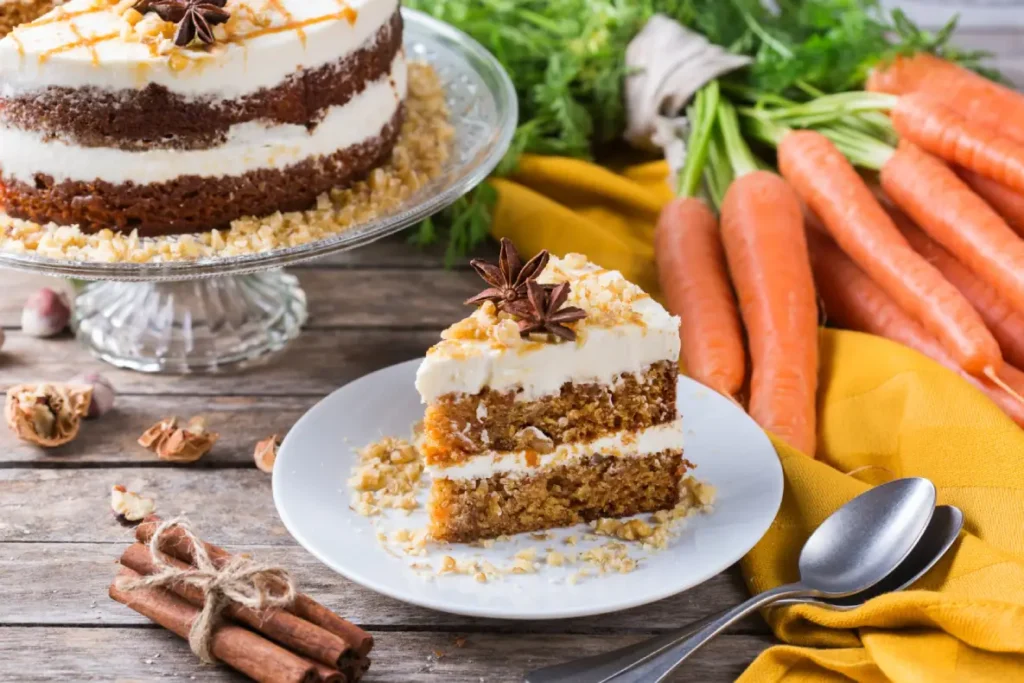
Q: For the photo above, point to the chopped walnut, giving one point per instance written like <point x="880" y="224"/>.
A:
<point x="388" y="475"/>
<point x="533" y="439"/>
<point x="266" y="453"/>
<point x="129" y="505"/>
<point x="179" y="444"/>
<point x="48" y="415"/>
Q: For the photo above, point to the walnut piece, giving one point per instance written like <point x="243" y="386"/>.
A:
<point x="533" y="439"/>
<point x="130" y="505"/>
<point x="266" y="453"/>
<point x="48" y="415"/>
<point x="179" y="444"/>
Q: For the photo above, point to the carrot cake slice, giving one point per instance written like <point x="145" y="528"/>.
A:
<point x="554" y="403"/>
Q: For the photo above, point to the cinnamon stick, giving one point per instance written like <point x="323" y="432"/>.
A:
<point x="298" y="635"/>
<point x="174" y="543"/>
<point x="239" y="648"/>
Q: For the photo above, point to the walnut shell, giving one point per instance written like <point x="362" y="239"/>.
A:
<point x="179" y="444"/>
<point x="265" y="453"/>
<point x="48" y="415"/>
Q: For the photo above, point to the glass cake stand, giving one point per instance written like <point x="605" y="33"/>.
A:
<point x="222" y="313"/>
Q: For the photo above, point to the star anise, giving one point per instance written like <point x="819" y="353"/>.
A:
<point x="508" y="279"/>
<point x="545" y="312"/>
<point x="195" y="18"/>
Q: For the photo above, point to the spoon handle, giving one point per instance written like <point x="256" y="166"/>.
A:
<point x="657" y="666"/>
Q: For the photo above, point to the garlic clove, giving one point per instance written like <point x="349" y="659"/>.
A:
<point x="45" y="314"/>
<point x="102" y="393"/>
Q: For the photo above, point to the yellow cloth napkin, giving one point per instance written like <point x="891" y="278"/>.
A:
<point x="885" y="412"/>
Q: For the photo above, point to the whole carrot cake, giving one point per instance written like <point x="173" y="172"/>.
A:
<point x="176" y="116"/>
<point x="552" y="404"/>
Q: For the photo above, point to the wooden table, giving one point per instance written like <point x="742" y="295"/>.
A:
<point x="374" y="307"/>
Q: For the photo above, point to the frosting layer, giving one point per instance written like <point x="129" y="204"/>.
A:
<point x="663" y="437"/>
<point x="85" y="43"/>
<point x="625" y="331"/>
<point x="248" y="147"/>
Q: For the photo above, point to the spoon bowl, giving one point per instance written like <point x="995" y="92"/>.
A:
<point x="863" y="541"/>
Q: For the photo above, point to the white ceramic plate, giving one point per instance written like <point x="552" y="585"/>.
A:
<point x="312" y="497"/>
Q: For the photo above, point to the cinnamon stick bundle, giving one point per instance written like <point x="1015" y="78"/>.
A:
<point x="298" y="635"/>
<point x="239" y="648"/>
<point x="177" y="545"/>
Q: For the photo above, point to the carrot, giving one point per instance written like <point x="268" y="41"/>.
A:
<point x="855" y="302"/>
<point x="1006" y="202"/>
<point x="944" y="207"/>
<point x="940" y="130"/>
<point x="695" y="283"/>
<point x="975" y="97"/>
<point x="763" y="234"/>
<point x="834" y="191"/>
<point x="1006" y="324"/>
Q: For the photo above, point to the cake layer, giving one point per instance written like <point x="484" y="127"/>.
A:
<point x="193" y="203"/>
<point x="625" y="331"/>
<point x="471" y="509"/>
<point x="249" y="147"/>
<point x="624" y="444"/>
<point x="155" y="117"/>
<point x="85" y="43"/>
<point x="457" y="426"/>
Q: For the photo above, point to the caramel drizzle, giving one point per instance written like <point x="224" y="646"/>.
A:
<point x="89" y="42"/>
<point x="294" y="26"/>
<point x="93" y="52"/>
<point x="18" y="43"/>
<point x="349" y="14"/>
<point x="289" y="18"/>
<point x="61" y="15"/>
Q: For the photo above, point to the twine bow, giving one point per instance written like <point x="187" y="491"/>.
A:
<point x="240" y="581"/>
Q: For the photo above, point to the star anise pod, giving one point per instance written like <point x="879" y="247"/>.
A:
<point x="195" y="18"/>
<point x="545" y="312"/>
<point x="508" y="279"/>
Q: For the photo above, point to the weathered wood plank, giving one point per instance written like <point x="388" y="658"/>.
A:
<point x="105" y="654"/>
<point x="41" y="505"/>
<point x="241" y="421"/>
<point x="318" y="362"/>
<point x="374" y="297"/>
<point x="74" y="578"/>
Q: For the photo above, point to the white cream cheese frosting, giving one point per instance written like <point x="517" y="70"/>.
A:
<point x="663" y="437"/>
<point x="250" y="146"/>
<point x="625" y="331"/>
<point x="88" y="43"/>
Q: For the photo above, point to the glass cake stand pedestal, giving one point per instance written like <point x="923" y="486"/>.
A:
<point x="218" y="314"/>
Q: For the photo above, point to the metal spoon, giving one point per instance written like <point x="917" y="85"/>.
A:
<point x="939" y="536"/>
<point x="886" y="522"/>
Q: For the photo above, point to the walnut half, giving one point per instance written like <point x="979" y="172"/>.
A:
<point x="179" y="444"/>
<point x="48" y="415"/>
